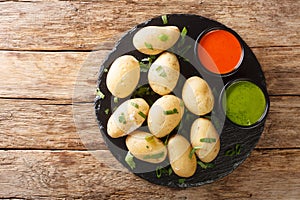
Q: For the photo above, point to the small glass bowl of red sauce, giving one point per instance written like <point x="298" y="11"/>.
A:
<point x="219" y="51"/>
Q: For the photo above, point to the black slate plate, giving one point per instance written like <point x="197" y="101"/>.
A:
<point x="230" y="134"/>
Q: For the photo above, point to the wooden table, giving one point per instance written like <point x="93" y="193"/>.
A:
<point x="43" y="46"/>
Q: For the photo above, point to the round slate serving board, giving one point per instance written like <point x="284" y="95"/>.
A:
<point x="231" y="135"/>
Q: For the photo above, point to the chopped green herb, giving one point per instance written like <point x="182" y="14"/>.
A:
<point x="207" y="117"/>
<point x="181" y="180"/>
<point x="105" y="70"/>
<point x="230" y="152"/>
<point x="152" y="57"/>
<point x="163" y="37"/>
<point x="170" y="171"/>
<point x="183" y="32"/>
<point x="234" y="151"/>
<point x="193" y="151"/>
<point x="182" y="41"/>
<point x="100" y="94"/>
<point x="171" y="112"/>
<point x="134" y="105"/>
<point x="149" y="138"/>
<point x="155" y="156"/>
<point x="163" y="74"/>
<point x="167" y="139"/>
<point x="122" y="118"/>
<point x="148" y="46"/>
<point x="144" y="67"/>
<point x="237" y="149"/>
<point x="106" y="111"/>
<point x="116" y="99"/>
<point x="129" y="160"/>
<point x="147" y="146"/>
<point x="146" y="63"/>
<point x="159" y="68"/>
<point x="205" y="165"/>
<point x="141" y="91"/>
<point x="164" y="19"/>
<point x="142" y="114"/>
<point x="160" y="171"/>
<point x="208" y="140"/>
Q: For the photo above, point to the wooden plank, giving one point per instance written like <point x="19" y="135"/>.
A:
<point x="281" y="68"/>
<point x="53" y="75"/>
<point x="271" y="174"/>
<point x="281" y="129"/>
<point x="32" y="124"/>
<point x="50" y="75"/>
<point x="84" y="25"/>
<point x="41" y="124"/>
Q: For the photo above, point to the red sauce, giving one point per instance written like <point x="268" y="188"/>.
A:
<point x="220" y="51"/>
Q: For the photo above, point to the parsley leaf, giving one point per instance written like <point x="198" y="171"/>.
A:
<point x="163" y="37"/>
<point x="122" y="118"/>
<point x="148" y="46"/>
<point x="100" y="94"/>
<point x="164" y="19"/>
<point x="129" y="160"/>
<point x="208" y="140"/>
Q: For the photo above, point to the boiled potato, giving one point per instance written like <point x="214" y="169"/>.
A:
<point x="179" y="150"/>
<point x="206" y="139"/>
<point x="123" y="76"/>
<point x="164" y="73"/>
<point x="164" y="115"/>
<point x="129" y="116"/>
<point x="152" y="40"/>
<point x="146" y="147"/>
<point x="197" y="96"/>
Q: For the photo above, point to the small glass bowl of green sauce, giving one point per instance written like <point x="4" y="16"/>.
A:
<point x="245" y="103"/>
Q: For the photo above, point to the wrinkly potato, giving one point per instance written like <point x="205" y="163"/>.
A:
<point x="129" y="116"/>
<point x="179" y="150"/>
<point x="123" y="76"/>
<point x="164" y="73"/>
<point x="152" y="40"/>
<point x="146" y="147"/>
<point x="197" y="96"/>
<point x="203" y="135"/>
<point x="164" y="115"/>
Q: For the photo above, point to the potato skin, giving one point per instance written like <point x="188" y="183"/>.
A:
<point x="123" y="76"/>
<point x="203" y="128"/>
<point x="164" y="73"/>
<point x="179" y="154"/>
<point x="152" y="40"/>
<point x="197" y="96"/>
<point x="161" y="124"/>
<point x="127" y="117"/>
<point x="152" y="150"/>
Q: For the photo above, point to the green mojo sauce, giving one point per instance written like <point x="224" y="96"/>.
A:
<point x="245" y="103"/>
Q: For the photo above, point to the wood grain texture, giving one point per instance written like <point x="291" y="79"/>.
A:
<point x="35" y="124"/>
<point x="46" y="126"/>
<point x="82" y="25"/>
<point x="53" y="75"/>
<point x="42" y="124"/>
<point x="270" y="175"/>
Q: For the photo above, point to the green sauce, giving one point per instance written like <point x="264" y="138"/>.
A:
<point x="245" y="103"/>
